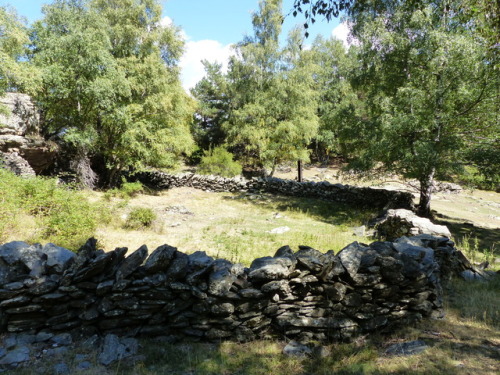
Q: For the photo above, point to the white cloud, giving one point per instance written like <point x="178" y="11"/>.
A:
<point x="196" y="51"/>
<point x="166" y="21"/>
<point x="341" y="32"/>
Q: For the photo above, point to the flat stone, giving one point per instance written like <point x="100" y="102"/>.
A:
<point x="296" y="349"/>
<point x="350" y="256"/>
<point x="407" y="348"/>
<point x="130" y="264"/>
<point x="62" y="339"/>
<point x="115" y="349"/>
<point x="15" y="356"/>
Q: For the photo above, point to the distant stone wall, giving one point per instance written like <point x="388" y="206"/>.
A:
<point x="307" y="295"/>
<point x="359" y="196"/>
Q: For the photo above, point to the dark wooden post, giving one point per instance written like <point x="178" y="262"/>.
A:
<point x="299" y="167"/>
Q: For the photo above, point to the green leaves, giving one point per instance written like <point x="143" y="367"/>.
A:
<point x="110" y="69"/>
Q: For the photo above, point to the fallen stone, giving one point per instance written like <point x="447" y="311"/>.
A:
<point x="115" y="349"/>
<point x="407" y="348"/>
<point x="279" y="230"/>
<point x="296" y="349"/>
<point x="16" y="356"/>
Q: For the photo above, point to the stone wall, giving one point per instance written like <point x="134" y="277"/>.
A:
<point x="306" y="295"/>
<point x="359" y="196"/>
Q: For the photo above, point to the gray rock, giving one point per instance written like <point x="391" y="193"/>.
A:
<point x="25" y="339"/>
<point x="321" y="352"/>
<point x="279" y="230"/>
<point x="221" y="278"/>
<point x="115" y="349"/>
<point x="178" y="268"/>
<point x="93" y="268"/>
<point x="359" y="231"/>
<point x="350" y="256"/>
<point x="58" y="258"/>
<point x="200" y="260"/>
<point x="268" y="268"/>
<point x="407" y="348"/>
<point x="335" y="292"/>
<point x="61" y="369"/>
<point x="15" y="356"/>
<point x="62" y="339"/>
<point x="20" y="256"/>
<point x="85" y="365"/>
<point x="295" y="349"/>
<point x="160" y="259"/>
<point x="10" y="341"/>
<point x="130" y="264"/>
<point x="224" y="309"/>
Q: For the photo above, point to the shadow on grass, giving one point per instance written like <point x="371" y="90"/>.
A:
<point x="322" y="210"/>
<point x="488" y="238"/>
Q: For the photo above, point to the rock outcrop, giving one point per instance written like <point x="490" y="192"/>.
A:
<point x="303" y="295"/>
<point x="20" y="141"/>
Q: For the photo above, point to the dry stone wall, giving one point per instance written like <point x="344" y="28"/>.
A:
<point x="359" y="196"/>
<point x="305" y="295"/>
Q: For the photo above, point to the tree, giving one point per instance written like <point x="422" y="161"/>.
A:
<point x="273" y="110"/>
<point x="111" y="82"/>
<point x="426" y="79"/>
<point x="16" y="74"/>
<point x="337" y="98"/>
<point x="212" y="94"/>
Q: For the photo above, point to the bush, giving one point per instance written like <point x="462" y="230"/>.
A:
<point x="127" y="190"/>
<point x="59" y="215"/>
<point x="140" y="217"/>
<point x="219" y="161"/>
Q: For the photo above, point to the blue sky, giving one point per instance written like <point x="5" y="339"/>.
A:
<point x="209" y="27"/>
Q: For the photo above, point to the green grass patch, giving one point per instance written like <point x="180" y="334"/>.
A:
<point x="40" y="210"/>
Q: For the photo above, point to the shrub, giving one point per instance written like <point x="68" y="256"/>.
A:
<point x="127" y="190"/>
<point x="60" y="215"/>
<point x="219" y="161"/>
<point x="140" y="217"/>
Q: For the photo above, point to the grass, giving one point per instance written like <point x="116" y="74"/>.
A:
<point x="232" y="226"/>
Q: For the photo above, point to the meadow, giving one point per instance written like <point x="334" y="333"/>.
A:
<point x="239" y="227"/>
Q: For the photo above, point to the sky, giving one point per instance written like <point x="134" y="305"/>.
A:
<point x="209" y="27"/>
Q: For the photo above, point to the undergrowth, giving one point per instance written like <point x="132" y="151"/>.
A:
<point x="40" y="210"/>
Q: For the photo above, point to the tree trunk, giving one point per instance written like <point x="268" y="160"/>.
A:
<point x="299" y="171"/>
<point x="426" y="187"/>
